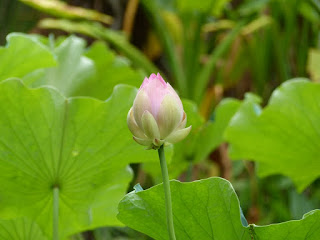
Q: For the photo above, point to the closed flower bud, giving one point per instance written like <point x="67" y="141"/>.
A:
<point x="157" y="116"/>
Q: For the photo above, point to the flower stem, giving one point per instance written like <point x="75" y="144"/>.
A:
<point x="167" y="193"/>
<point x="55" y="218"/>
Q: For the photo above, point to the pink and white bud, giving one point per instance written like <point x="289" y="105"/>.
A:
<point x="157" y="116"/>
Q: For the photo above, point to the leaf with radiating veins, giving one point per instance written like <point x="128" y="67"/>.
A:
<point x="20" y="229"/>
<point x="208" y="210"/>
<point x="82" y="145"/>
<point x="22" y="55"/>
<point x="284" y="136"/>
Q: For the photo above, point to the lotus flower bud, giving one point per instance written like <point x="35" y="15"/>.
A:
<point x="157" y="116"/>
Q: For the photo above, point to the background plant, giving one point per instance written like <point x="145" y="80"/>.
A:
<point x="235" y="47"/>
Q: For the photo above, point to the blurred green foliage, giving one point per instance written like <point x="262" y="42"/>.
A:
<point x="16" y="17"/>
<point x="282" y="134"/>
<point x="209" y="50"/>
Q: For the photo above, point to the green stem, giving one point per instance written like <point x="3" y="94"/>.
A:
<point x="168" y="44"/>
<point x="205" y="73"/>
<point x="98" y="31"/>
<point x="55" y="213"/>
<point x="167" y="193"/>
<point x="189" y="172"/>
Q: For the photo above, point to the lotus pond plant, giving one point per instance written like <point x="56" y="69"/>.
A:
<point x="70" y="169"/>
<point x="157" y="119"/>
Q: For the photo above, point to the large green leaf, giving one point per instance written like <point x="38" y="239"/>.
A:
<point x="110" y="70"/>
<point x="92" y="73"/>
<point x="211" y="136"/>
<point x="204" y="138"/>
<point x="23" y="54"/>
<point x="81" y="145"/>
<point x="206" y="209"/>
<point x="66" y="64"/>
<point x="20" y="229"/>
<point x="306" y="229"/>
<point x="72" y="71"/>
<point x="283" y="137"/>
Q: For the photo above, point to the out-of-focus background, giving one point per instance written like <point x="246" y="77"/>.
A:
<point x="208" y="50"/>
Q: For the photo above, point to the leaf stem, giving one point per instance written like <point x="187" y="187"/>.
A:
<point x="167" y="193"/>
<point x="55" y="218"/>
<point x="189" y="172"/>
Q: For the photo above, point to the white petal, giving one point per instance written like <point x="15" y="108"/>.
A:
<point x="175" y="95"/>
<point x="169" y="116"/>
<point x="141" y="103"/>
<point x="178" y="135"/>
<point x="183" y="122"/>
<point x="144" y="142"/>
<point x="150" y="126"/>
<point x="133" y="127"/>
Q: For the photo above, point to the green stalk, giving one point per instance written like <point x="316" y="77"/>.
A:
<point x="167" y="193"/>
<point x="166" y="39"/>
<point x="99" y="32"/>
<point x="316" y="5"/>
<point x="189" y="172"/>
<point x="204" y="75"/>
<point x="55" y="218"/>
